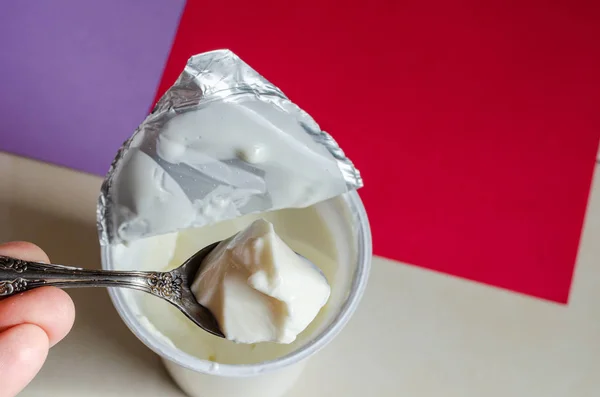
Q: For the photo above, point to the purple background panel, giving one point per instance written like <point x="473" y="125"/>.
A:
<point x="77" y="77"/>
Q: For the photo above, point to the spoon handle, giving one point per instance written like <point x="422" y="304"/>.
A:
<point x="17" y="275"/>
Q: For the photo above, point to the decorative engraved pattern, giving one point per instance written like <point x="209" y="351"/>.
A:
<point x="10" y="287"/>
<point x="16" y="265"/>
<point x="165" y="285"/>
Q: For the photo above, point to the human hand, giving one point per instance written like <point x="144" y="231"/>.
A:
<point x="30" y="323"/>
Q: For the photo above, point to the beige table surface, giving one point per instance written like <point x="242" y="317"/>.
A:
<point x="417" y="333"/>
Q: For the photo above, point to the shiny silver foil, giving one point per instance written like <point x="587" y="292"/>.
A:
<point x="163" y="178"/>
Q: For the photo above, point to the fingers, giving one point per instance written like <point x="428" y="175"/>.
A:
<point x="24" y="250"/>
<point x="29" y="324"/>
<point x="23" y="350"/>
<point x="49" y="308"/>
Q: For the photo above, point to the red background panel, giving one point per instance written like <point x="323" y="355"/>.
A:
<point x="475" y="124"/>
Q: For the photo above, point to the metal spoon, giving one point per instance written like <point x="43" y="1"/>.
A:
<point x="17" y="275"/>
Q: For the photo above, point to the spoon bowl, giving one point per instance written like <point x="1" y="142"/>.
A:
<point x="186" y="301"/>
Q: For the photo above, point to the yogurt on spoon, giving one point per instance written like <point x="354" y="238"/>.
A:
<point x="258" y="288"/>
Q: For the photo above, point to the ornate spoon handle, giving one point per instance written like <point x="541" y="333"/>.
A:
<point x="17" y="275"/>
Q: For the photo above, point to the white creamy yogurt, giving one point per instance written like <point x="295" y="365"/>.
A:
<point x="328" y="234"/>
<point x="297" y="171"/>
<point x="235" y="157"/>
<point x="258" y="288"/>
<point x="313" y="232"/>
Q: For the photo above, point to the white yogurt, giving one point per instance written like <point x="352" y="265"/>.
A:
<point x="298" y="171"/>
<point x="333" y="234"/>
<point x="304" y="230"/>
<point x="258" y="288"/>
<point x="203" y="167"/>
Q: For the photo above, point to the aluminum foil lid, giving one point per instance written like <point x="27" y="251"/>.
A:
<point x="221" y="143"/>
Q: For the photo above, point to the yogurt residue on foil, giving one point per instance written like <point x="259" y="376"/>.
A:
<point x="221" y="143"/>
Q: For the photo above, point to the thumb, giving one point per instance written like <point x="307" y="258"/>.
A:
<point x="23" y="349"/>
<point x="29" y="324"/>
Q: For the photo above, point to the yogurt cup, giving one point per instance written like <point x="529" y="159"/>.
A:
<point x="346" y="218"/>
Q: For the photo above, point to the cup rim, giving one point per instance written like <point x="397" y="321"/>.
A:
<point x="357" y="289"/>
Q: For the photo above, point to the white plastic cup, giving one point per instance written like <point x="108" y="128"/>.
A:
<point x="203" y="378"/>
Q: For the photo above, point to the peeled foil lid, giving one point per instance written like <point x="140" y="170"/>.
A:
<point x="221" y="143"/>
